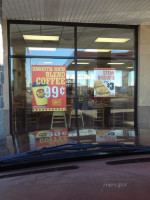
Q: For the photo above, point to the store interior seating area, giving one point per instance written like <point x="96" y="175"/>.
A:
<point x="100" y="114"/>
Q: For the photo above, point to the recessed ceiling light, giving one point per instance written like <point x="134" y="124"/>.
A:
<point x="41" y="49"/>
<point x="97" y="50"/>
<point x="40" y="37"/>
<point x="129" y="67"/>
<point x="81" y="63"/>
<point x="119" y="40"/>
<point x="115" y="63"/>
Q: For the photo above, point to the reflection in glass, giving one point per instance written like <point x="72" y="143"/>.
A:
<point x="105" y="42"/>
<point x="102" y="104"/>
<point x="110" y="103"/>
<point x="48" y="138"/>
<point x="24" y="119"/>
<point x="41" y="40"/>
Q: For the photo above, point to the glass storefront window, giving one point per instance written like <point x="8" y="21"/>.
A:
<point x="105" y="42"/>
<point x="41" y="40"/>
<point x="25" y="117"/>
<point x="104" y="98"/>
<point x="106" y="93"/>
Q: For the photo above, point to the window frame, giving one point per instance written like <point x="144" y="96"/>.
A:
<point x="75" y="57"/>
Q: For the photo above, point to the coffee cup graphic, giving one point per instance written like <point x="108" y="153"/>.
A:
<point x="39" y="95"/>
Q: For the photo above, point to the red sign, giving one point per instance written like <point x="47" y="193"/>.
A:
<point x="48" y="88"/>
<point x="51" y="138"/>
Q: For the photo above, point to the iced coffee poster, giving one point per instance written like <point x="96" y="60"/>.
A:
<point x="104" y="82"/>
<point x="48" y="88"/>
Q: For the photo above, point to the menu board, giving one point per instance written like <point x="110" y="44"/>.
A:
<point x="48" y="88"/>
<point x="104" y="82"/>
<point x="51" y="138"/>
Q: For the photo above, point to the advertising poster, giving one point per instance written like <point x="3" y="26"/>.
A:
<point x="50" y="138"/>
<point x="48" y="88"/>
<point x="104" y="82"/>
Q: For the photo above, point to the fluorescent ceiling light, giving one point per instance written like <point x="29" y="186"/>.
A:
<point x="129" y="67"/>
<point x="97" y="50"/>
<point x="81" y="63"/>
<point x="115" y="63"/>
<point x="48" y="62"/>
<point x="40" y="37"/>
<point x="41" y="49"/>
<point x="119" y="40"/>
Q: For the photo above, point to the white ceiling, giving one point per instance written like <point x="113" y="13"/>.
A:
<point x="88" y="11"/>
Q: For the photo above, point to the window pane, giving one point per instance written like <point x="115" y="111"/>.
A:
<point x="105" y="87"/>
<point x="31" y="110"/>
<point x="106" y="93"/>
<point x="105" y="42"/>
<point x="41" y="40"/>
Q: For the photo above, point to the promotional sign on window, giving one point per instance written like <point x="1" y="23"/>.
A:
<point x="50" y="138"/>
<point x="104" y="82"/>
<point x="48" y="88"/>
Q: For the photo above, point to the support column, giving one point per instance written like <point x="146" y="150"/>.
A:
<point x="144" y="85"/>
<point x="144" y="77"/>
<point x="1" y="76"/>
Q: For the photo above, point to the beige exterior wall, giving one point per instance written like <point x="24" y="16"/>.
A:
<point x="6" y="81"/>
<point x="6" y="85"/>
<point x="144" y="66"/>
<point x="144" y="77"/>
